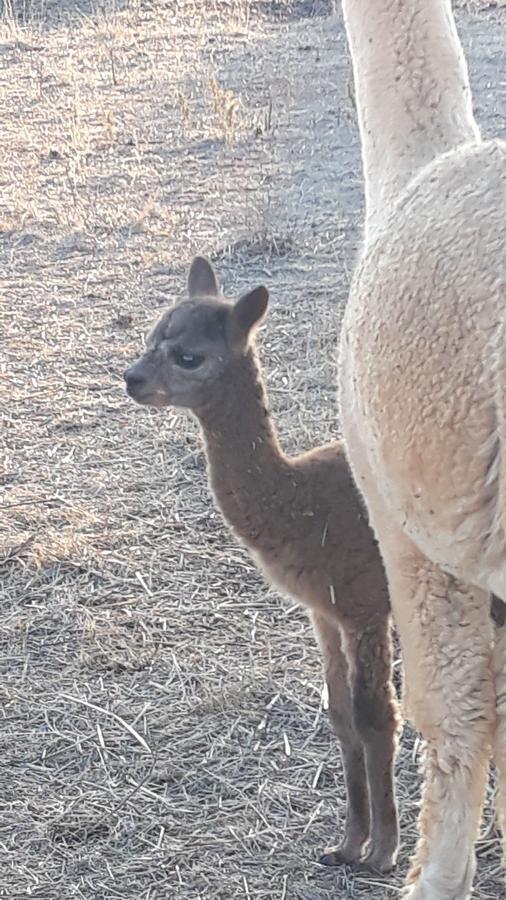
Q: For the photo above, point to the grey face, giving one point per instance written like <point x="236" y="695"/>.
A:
<point x="192" y="344"/>
<point x="186" y="353"/>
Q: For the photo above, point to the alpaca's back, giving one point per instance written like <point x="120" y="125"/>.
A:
<point x="431" y="338"/>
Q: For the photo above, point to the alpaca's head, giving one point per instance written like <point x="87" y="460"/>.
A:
<point x="195" y="344"/>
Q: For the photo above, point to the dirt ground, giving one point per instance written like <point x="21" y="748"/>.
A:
<point x="163" y="730"/>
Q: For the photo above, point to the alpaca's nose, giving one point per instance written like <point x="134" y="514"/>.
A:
<point x="134" y="376"/>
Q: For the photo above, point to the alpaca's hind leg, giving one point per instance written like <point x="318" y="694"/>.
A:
<point x="445" y="633"/>
<point x="369" y="651"/>
<point x="356" y="829"/>
<point x="499" y="745"/>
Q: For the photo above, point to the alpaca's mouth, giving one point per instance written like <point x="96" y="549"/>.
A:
<point x="154" y="398"/>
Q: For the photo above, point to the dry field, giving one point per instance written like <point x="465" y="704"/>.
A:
<point x="163" y="731"/>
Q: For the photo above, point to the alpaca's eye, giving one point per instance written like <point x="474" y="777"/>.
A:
<point x="187" y="360"/>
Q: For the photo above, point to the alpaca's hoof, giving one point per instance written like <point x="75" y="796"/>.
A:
<point x="377" y="861"/>
<point x="338" y="856"/>
<point x="381" y="857"/>
<point x="333" y="858"/>
<point x="429" y="885"/>
<point x="378" y="864"/>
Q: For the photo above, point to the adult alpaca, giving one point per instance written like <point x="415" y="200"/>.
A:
<point x="423" y="400"/>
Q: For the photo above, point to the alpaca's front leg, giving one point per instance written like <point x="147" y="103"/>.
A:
<point x="357" y="825"/>
<point x="445" y="633"/>
<point x="499" y="745"/>
<point x="368" y="649"/>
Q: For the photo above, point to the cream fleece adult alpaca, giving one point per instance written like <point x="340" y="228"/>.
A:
<point x="423" y="395"/>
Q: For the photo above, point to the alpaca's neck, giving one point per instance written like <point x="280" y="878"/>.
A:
<point x="246" y="465"/>
<point x="412" y="90"/>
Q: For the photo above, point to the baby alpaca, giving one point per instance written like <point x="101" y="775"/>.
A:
<point x="302" y="520"/>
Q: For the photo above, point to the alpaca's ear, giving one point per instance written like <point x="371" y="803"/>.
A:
<point x="201" y="279"/>
<point x="249" y="311"/>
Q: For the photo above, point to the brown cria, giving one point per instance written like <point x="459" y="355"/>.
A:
<point x="304" y="524"/>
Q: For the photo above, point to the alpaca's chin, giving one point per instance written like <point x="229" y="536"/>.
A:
<point x="155" y="399"/>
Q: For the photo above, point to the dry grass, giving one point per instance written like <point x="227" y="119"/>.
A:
<point x="163" y="729"/>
